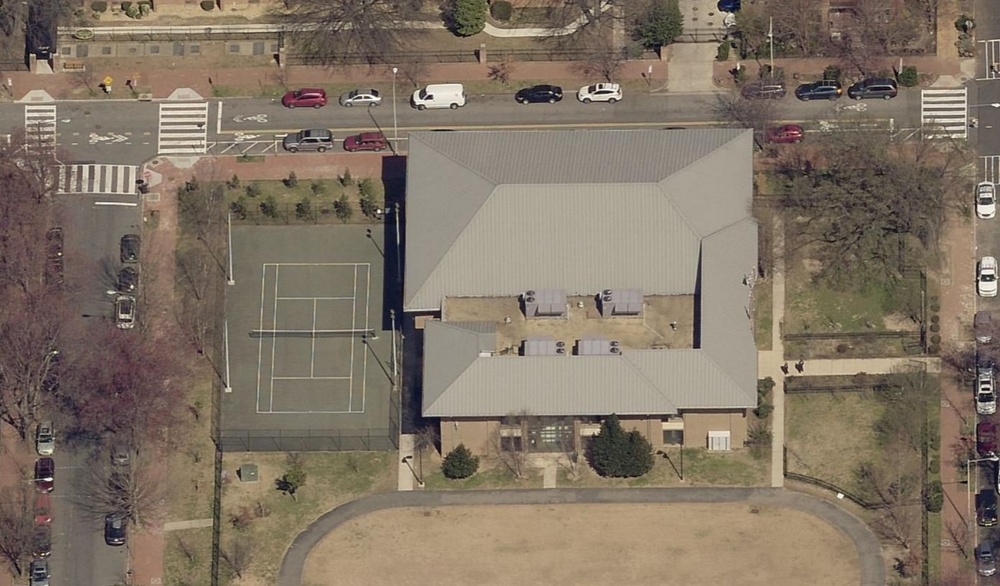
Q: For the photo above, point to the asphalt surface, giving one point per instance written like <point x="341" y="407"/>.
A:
<point x="865" y="542"/>
<point x="126" y="132"/>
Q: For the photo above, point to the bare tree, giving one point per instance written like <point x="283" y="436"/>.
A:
<point x="238" y="555"/>
<point x="893" y="486"/>
<point x="341" y="32"/>
<point x="426" y="438"/>
<point x="758" y="115"/>
<point x="136" y="490"/>
<point x="512" y="449"/>
<point x="959" y="534"/>
<point x="17" y="528"/>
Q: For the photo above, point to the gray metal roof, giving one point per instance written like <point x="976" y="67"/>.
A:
<point x="665" y="212"/>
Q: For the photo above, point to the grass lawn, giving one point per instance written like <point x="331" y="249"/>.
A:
<point x="187" y="557"/>
<point x="308" y="201"/>
<point x="275" y="518"/>
<point x="763" y="313"/>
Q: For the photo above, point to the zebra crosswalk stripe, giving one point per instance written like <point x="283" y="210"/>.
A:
<point x="944" y="113"/>
<point x="991" y="168"/>
<point x="98" y="179"/>
<point x="183" y="128"/>
<point x="40" y="126"/>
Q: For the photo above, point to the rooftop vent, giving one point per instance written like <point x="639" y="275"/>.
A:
<point x="544" y="303"/>
<point x="542" y="347"/>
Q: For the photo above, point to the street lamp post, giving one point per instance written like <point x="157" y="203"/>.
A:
<point x="770" y="38"/>
<point x="231" y="279"/>
<point x="968" y="483"/>
<point x="395" y="126"/>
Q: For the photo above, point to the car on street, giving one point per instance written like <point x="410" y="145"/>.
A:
<point x="128" y="280"/>
<point x="985" y="564"/>
<point x="41" y="545"/>
<point x="986" y="438"/>
<point x="43" y="508"/>
<point x="304" y="98"/>
<point x="114" y="529"/>
<point x="876" y="87"/>
<point x="986" y="397"/>
<point x="125" y="312"/>
<point x="986" y="200"/>
<point x="787" y="134"/>
<point x="728" y="5"/>
<point x="54" y="243"/>
<point x="361" y="97"/>
<point x="45" y="438"/>
<point x="764" y="90"/>
<point x="130" y="248"/>
<point x="600" y="92"/>
<point x="38" y="573"/>
<point x="982" y="326"/>
<point x="986" y="507"/>
<point x="366" y="141"/>
<point x="986" y="277"/>
<point x="819" y="90"/>
<point x="120" y="453"/>
<point x="539" y="94"/>
<point x="314" y="139"/>
<point x="45" y="471"/>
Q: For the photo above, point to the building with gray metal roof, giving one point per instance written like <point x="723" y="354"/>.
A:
<point x="497" y="214"/>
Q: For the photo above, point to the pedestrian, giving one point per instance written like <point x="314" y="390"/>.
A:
<point x="800" y="365"/>
<point x="784" y="368"/>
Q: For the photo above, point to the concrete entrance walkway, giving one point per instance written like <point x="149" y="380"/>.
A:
<point x="690" y="67"/>
<point x="865" y="543"/>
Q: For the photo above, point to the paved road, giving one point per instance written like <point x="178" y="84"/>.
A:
<point x="126" y="132"/>
<point x="869" y="551"/>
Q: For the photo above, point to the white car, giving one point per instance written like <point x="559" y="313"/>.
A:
<point x="600" y="92"/>
<point x="45" y="439"/>
<point x="986" y="277"/>
<point x="986" y="200"/>
<point x="125" y="312"/>
<point x="361" y="97"/>
<point x="986" y="397"/>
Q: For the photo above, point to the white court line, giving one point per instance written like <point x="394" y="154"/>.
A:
<point x="260" y="344"/>
<point x="354" y="326"/>
<point x="313" y="264"/>
<point x="312" y="298"/>
<point x="311" y="377"/>
<point x="274" y="326"/>
<point x="312" y="354"/>
<point x="364" y="363"/>
<point x="116" y="203"/>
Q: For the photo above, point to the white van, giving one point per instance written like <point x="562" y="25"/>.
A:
<point x="439" y="95"/>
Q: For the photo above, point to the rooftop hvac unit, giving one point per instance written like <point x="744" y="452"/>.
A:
<point x="560" y="344"/>
<point x="606" y="292"/>
<point x="560" y="351"/>
<point x="606" y="298"/>
<point x="616" y="350"/>
<point x="615" y="343"/>
<point x="529" y="299"/>
<point x="529" y="293"/>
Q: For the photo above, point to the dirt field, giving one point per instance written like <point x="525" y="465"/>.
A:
<point x="585" y="544"/>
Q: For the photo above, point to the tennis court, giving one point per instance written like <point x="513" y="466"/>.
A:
<point x="311" y="352"/>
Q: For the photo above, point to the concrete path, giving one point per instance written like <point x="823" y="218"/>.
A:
<point x="865" y="543"/>
<point x="404" y="475"/>
<point x="690" y="68"/>
<point x="850" y="367"/>
<point x="193" y="524"/>
<point x="769" y="362"/>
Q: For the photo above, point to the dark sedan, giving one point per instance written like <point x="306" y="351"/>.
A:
<point x="130" y="248"/>
<point x="114" y="529"/>
<point x="539" y="94"/>
<point x="819" y="90"/>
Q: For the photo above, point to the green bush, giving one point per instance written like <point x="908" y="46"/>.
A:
<point x="661" y="23"/>
<point x="501" y="10"/>
<point x="269" y="207"/>
<point x="145" y="9"/>
<point x="763" y="410"/>
<point x="722" y="54"/>
<point x="239" y="207"/>
<point x="467" y="17"/>
<point x="253" y="190"/>
<point x="317" y="188"/>
<point x="126" y="5"/>
<point x="99" y="6"/>
<point x="832" y="73"/>
<point x="291" y="181"/>
<point x="343" y="209"/>
<point x="208" y="5"/>
<point x="459" y="463"/>
<point x="346" y="179"/>
<point x="303" y="209"/>
<point x="964" y="23"/>
<point x="619" y="454"/>
<point x="908" y="76"/>
<point x="933" y="496"/>
<point x="132" y="11"/>
<point x="233" y="183"/>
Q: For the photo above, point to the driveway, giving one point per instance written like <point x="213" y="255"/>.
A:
<point x="867" y="546"/>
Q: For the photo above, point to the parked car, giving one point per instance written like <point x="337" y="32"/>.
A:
<point x="789" y="133"/>
<point x="986" y="397"/>
<point x="54" y="243"/>
<point x="45" y="471"/>
<point x="539" y="94"/>
<point x="130" y="248"/>
<point x="43" y="508"/>
<point x="315" y="139"/>
<point x="128" y="280"/>
<point x="41" y="545"/>
<point x="439" y="95"/>
<point x="764" y="90"/>
<point x="819" y="90"/>
<point x="986" y="507"/>
<point x="54" y="271"/>
<point x="986" y="277"/>
<point x="985" y="564"/>
<point x="728" y="5"/>
<point x="304" y="98"/>
<point x="876" y="87"/>
<point x="120" y="453"/>
<point x="982" y="326"/>
<point x="986" y="200"/>
<point x="361" y="97"/>
<point x="600" y="92"/>
<point x="114" y="529"/>
<point x="366" y="141"/>
<point x="45" y="439"/>
<point x="125" y="312"/>
<point x="38" y="573"/>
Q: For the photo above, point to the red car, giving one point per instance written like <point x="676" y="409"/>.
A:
<point x="789" y="133"/>
<point x="986" y="438"/>
<point x="43" y="509"/>
<point x="366" y="141"/>
<point x="305" y="98"/>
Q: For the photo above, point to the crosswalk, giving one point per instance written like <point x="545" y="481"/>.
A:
<point x="40" y="126"/>
<point x="992" y="59"/>
<point x="98" y="179"/>
<point x="991" y="168"/>
<point x="183" y="128"/>
<point x="944" y="113"/>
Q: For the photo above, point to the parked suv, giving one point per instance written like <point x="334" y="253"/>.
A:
<point x="986" y="277"/>
<point x="985" y="564"/>
<point x="878" y="87"/>
<point x="304" y="98"/>
<point x="764" y="90"/>
<point x="315" y="139"/>
<point x="45" y="442"/>
<point x="45" y="471"/>
<point x="986" y="507"/>
<point x="130" y="248"/>
<point x="986" y="438"/>
<point x="366" y="141"/>
<point x="819" y="90"/>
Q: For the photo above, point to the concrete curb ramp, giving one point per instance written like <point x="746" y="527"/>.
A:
<point x="868" y="548"/>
